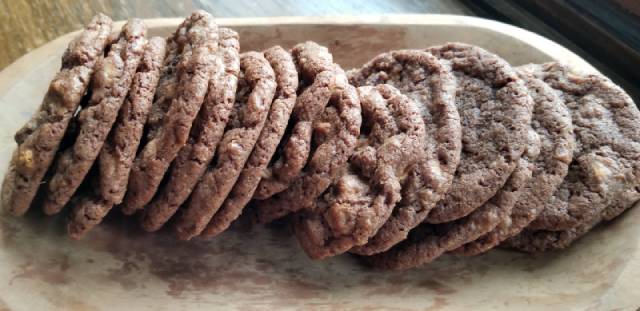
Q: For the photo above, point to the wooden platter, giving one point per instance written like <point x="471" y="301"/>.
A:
<point x="120" y="267"/>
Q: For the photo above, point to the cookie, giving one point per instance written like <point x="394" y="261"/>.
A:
<point x="119" y="150"/>
<point x="428" y="241"/>
<point x="552" y="122"/>
<point x="167" y="85"/>
<point x="110" y="85"/>
<point x="362" y="199"/>
<point x="605" y="164"/>
<point x="495" y="112"/>
<point x="194" y="72"/>
<point x="256" y="89"/>
<point x="335" y="134"/>
<point x="536" y="241"/>
<point x="39" y="139"/>
<point x="194" y="157"/>
<point x="602" y="181"/>
<point x="431" y="84"/>
<point x="284" y="100"/>
<point x="316" y="70"/>
<point x="543" y="240"/>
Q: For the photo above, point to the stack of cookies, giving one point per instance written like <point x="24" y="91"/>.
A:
<point x="418" y="153"/>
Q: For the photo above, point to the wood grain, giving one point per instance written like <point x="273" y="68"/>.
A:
<point x="27" y="24"/>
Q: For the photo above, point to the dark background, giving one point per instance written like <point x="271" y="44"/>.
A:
<point x="605" y="32"/>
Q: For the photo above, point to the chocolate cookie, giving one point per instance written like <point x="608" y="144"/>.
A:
<point x="428" y="241"/>
<point x="495" y="111"/>
<point x="605" y="164"/>
<point x="39" y="139"/>
<point x="285" y="99"/>
<point x="316" y="69"/>
<point x="208" y="128"/>
<point x="119" y="150"/>
<point x="256" y="89"/>
<point x="533" y="241"/>
<point x="361" y="200"/>
<point x="602" y="181"/>
<point x="194" y="72"/>
<point x="552" y="121"/>
<point x="110" y="85"/>
<point x="335" y="134"/>
<point x="167" y="85"/>
<point x="431" y="84"/>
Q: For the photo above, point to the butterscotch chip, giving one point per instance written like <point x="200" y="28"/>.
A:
<point x="495" y="111"/>
<point x="552" y="122"/>
<point x="285" y="99"/>
<point x="194" y="72"/>
<point x="256" y="89"/>
<point x="110" y="85"/>
<point x="119" y="149"/>
<point x="39" y="139"/>
<point x="357" y="205"/>
<point x="431" y="84"/>
<point x="208" y="128"/>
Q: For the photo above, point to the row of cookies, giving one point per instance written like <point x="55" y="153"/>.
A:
<point x="417" y="153"/>
<point x="547" y="154"/>
<point x="476" y="162"/>
<point x="152" y="125"/>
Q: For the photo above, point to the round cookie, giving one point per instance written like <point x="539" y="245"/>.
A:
<point x="166" y="89"/>
<point x="256" y="89"/>
<point x="602" y="181"/>
<point x="285" y="98"/>
<point x="120" y="148"/>
<point x="194" y="72"/>
<point x="495" y="112"/>
<point x="533" y="241"/>
<point x="431" y="84"/>
<point x="208" y="128"/>
<point x="428" y="241"/>
<point x="356" y="206"/>
<point x="605" y="164"/>
<point x="316" y="71"/>
<point x="542" y="240"/>
<point x="552" y="121"/>
<point x="625" y="199"/>
<point x="110" y="85"/>
<point x="39" y="139"/>
<point x="335" y="134"/>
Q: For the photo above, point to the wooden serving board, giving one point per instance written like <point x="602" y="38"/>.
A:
<point x="120" y="267"/>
